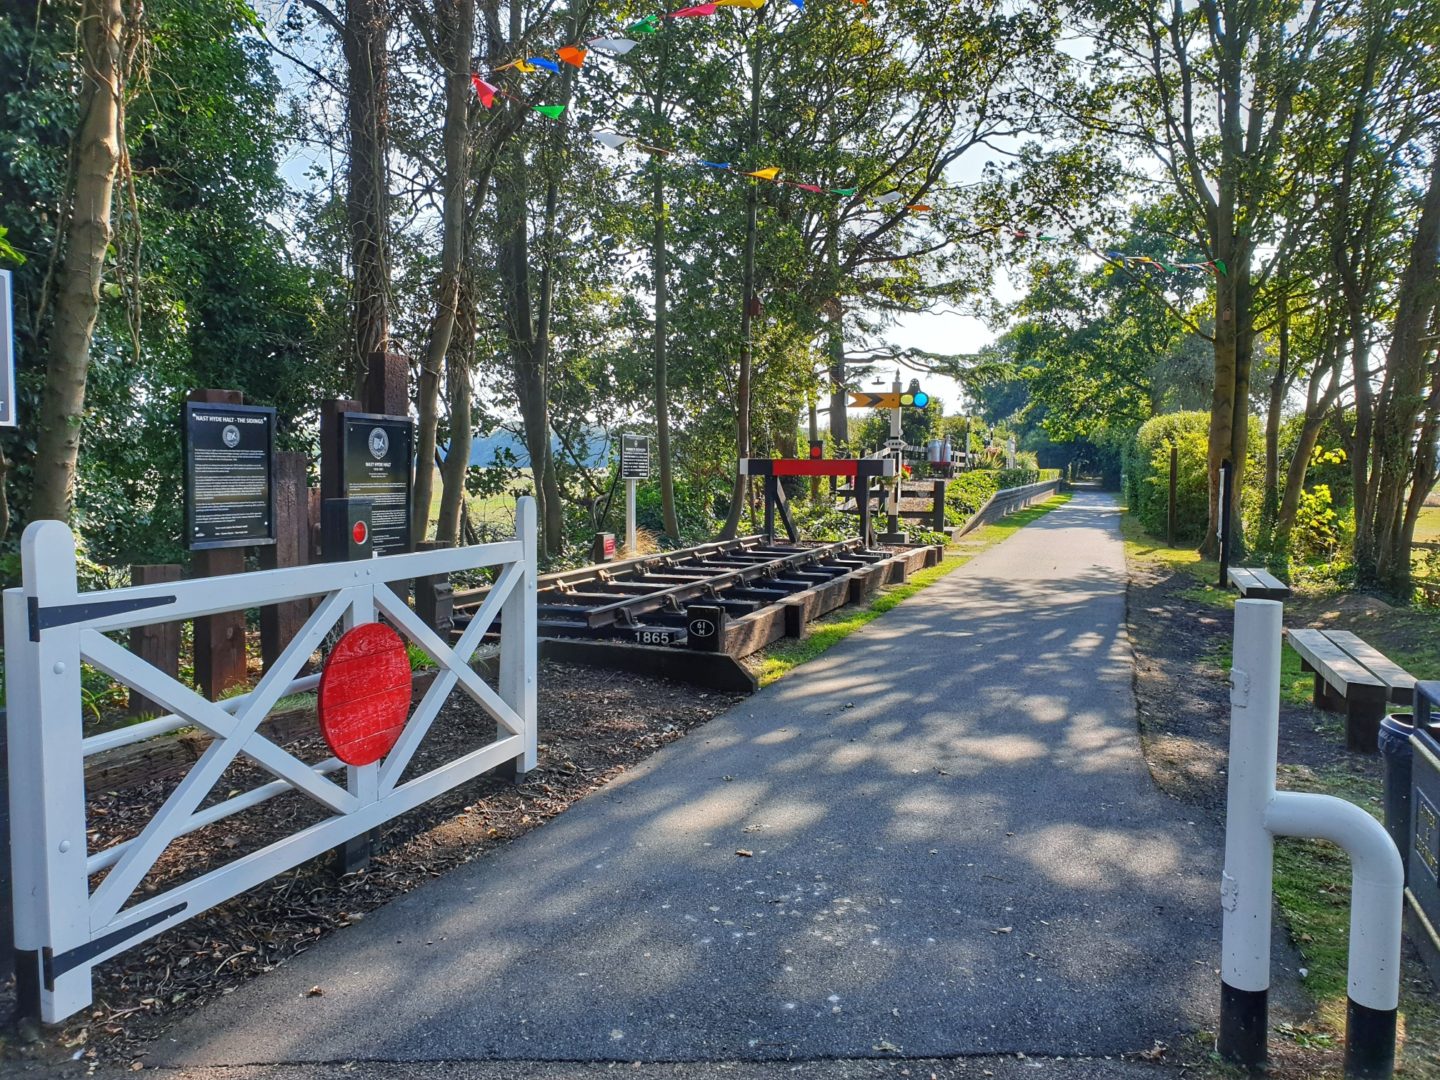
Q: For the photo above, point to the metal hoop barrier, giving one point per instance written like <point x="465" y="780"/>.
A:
<point x="1255" y="814"/>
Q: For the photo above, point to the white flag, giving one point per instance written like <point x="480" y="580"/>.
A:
<point x="610" y="139"/>
<point x="889" y="197"/>
<point x="618" y="46"/>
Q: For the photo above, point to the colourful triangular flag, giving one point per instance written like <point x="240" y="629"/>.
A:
<point x="691" y="12"/>
<point x="648" y="25"/>
<point x="715" y="164"/>
<point x="548" y="65"/>
<point x="843" y="191"/>
<point x="523" y="66"/>
<point x="1047" y="237"/>
<point x="610" y="139"/>
<point x="809" y="187"/>
<point x="483" y="90"/>
<point x="919" y="207"/>
<point x="618" y="46"/>
<point x="571" y="55"/>
<point x="764" y="174"/>
<point x="1219" y="264"/>
<point x="554" y="112"/>
<point x="799" y="4"/>
<point x="753" y="5"/>
<point x="889" y="197"/>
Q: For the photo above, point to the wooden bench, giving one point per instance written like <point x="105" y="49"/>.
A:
<point x="1256" y="583"/>
<point x="1354" y="678"/>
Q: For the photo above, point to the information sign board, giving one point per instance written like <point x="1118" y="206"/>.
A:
<point x="377" y="452"/>
<point x="229" y="475"/>
<point x="634" y="457"/>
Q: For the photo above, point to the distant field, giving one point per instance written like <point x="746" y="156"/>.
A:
<point x="492" y="509"/>
<point x="1427" y="528"/>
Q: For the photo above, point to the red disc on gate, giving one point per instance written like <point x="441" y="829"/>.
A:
<point x="364" y="693"/>
<point x="359" y="532"/>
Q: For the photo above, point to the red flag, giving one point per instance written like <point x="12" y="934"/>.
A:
<point x="483" y="89"/>
<point x="809" y="187"/>
<point x="698" y="9"/>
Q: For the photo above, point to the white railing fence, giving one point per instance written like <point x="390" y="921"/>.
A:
<point x="63" y="926"/>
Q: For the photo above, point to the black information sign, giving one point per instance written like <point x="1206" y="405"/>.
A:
<point x="377" y="453"/>
<point x="7" y="352"/>
<point x="229" y="475"/>
<point x="634" y="457"/>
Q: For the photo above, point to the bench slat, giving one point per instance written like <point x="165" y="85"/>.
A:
<point x="1400" y="682"/>
<point x="1255" y="583"/>
<point x="1343" y="672"/>
<point x="1270" y="581"/>
<point x="1244" y="580"/>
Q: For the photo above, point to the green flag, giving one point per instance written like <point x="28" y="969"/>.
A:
<point x="554" y="112"/>
<point x="843" y="191"/>
<point x="647" y="25"/>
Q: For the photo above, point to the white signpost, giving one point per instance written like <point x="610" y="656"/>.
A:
<point x="634" y="467"/>
<point x="8" y="417"/>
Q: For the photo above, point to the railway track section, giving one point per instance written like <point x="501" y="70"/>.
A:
<point x="643" y="601"/>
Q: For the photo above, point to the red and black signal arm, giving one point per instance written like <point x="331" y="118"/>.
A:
<point x="852" y="467"/>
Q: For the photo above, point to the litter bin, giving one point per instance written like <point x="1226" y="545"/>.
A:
<point x="1396" y="758"/>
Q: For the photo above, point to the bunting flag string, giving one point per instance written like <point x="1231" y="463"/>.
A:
<point x="772" y="173"/>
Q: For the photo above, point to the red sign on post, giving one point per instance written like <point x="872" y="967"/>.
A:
<point x="364" y="694"/>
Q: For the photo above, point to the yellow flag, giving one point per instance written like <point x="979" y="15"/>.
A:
<point x="753" y="5"/>
<point x="764" y="174"/>
<point x="525" y="67"/>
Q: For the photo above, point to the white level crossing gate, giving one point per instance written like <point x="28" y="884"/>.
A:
<point x="75" y="907"/>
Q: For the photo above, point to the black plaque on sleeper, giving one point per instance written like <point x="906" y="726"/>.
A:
<point x="377" y="453"/>
<point x="229" y="476"/>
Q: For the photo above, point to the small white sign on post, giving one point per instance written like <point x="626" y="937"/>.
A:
<point x="8" y="417"/>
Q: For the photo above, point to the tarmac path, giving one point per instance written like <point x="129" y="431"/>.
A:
<point x="952" y="846"/>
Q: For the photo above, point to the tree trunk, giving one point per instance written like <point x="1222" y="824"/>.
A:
<point x="747" y="305"/>
<point x="1403" y="401"/>
<point x="1317" y="407"/>
<point x="512" y="224"/>
<point x="457" y="27"/>
<point x="1240" y="419"/>
<point x="659" y="258"/>
<point x="839" y="399"/>
<point x="461" y="393"/>
<point x="1279" y="385"/>
<point x="367" y="203"/>
<point x="86" y="239"/>
<point x="1222" y="400"/>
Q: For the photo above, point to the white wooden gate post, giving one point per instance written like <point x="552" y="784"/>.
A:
<point x="47" y="771"/>
<point x="518" y="641"/>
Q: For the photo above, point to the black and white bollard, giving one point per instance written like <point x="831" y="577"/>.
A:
<point x="1255" y="814"/>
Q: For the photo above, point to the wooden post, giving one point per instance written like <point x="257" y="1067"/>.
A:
<point x="281" y="622"/>
<point x="434" y="601"/>
<point x="387" y="384"/>
<point x="219" y="639"/>
<point x="316" y="511"/>
<point x="938" y="506"/>
<point x="1172" y="509"/>
<point x="157" y="644"/>
<point x="332" y="453"/>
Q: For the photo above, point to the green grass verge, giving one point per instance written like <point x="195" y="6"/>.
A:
<point x="827" y="630"/>
<point x="1312" y="877"/>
